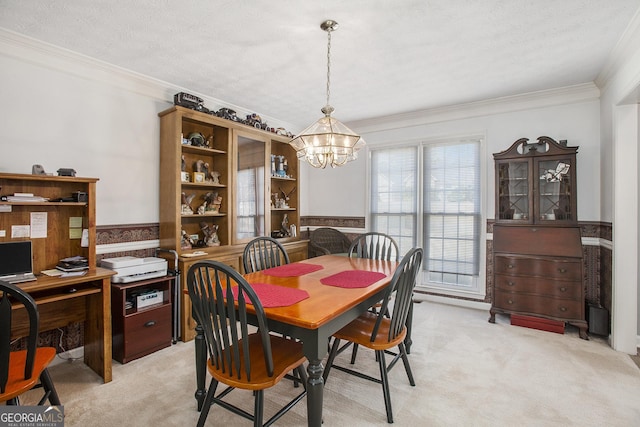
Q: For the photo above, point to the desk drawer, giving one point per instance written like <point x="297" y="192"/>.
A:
<point x="557" y="269"/>
<point x="547" y="306"/>
<point x="146" y="332"/>
<point x="539" y="286"/>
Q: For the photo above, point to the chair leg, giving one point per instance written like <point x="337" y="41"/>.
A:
<point x="385" y="385"/>
<point x="332" y="356"/>
<point x="409" y="324"/>
<point x="258" y="408"/>
<point x="206" y="405"/>
<point x="49" y="388"/>
<point x="405" y="361"/>
<point x="302" y="374"/>
<point x="354" y="352"/>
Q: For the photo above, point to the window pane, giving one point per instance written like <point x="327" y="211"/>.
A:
<point x="452" y="210"/>
<point x="394" y="194"/>
<point x="450" y="206"/>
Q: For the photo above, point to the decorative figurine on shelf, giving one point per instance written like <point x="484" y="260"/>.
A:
<point x="273" y="165"/>
<point x="213" y="202"/>
<point x="183" y="166"/>
<point x="205" y="169"/>
<point x="185" y="208"/>
<point x="284" y="201"/>
<point x="185" y="241"/>
<point x="197" y="139"/>
<point x="202" y="208"/>
<point x="198" y="166"/>
<point x="277" y="202"/>
<point x="210" y="233"/>
<point x="284" y="227"/>
<point x="210" y="141"/>
<point x="215" y="177"/>
<point x="281" y="171"/>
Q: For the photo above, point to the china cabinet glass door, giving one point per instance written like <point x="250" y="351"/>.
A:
<point x="555" y="192"/>
<point x="514" y="189"/>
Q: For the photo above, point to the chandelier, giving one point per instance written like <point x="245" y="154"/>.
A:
<point x="327" y="141"/>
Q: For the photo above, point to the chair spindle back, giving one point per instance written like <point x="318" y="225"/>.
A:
<point x="210" y="285"/>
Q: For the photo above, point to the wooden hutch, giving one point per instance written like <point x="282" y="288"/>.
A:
<point x="537" y="248"/>
<point x="249" y="178"/>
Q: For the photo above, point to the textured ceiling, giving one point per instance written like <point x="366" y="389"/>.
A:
<point x="387" y="57"/>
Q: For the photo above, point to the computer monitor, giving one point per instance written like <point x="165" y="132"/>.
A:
<point x="15" y="258"/>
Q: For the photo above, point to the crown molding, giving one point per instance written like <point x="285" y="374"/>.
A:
<point x="53" y="57"/>
<point x="626" y="48"/>
<point x="526" y="101"/>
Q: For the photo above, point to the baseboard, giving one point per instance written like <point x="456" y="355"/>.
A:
<point x="478" y="305"/>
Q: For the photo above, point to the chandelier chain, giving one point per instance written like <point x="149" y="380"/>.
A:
<point x="328" y="65"/>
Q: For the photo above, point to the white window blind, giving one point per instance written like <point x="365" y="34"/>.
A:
<point x="451" y="211"/>
<point x="394" y="196"/>
<point x="440" y="184"/>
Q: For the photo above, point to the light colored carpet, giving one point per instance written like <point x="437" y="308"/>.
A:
<point x="468" y="372"/>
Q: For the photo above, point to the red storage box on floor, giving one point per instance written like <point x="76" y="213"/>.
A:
<point x="538" y="323"/>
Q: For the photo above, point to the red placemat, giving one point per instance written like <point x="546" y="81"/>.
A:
<point x="274" y="295"/>
<point x="290" y="270"/>
<point x="352" y="279"/>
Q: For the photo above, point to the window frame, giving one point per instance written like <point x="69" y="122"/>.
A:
<point x="478" y="288"/>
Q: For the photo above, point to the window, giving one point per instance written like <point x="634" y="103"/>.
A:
<point x="429" y="195"/>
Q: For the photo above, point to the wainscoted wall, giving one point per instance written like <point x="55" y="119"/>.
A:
<point x="142" y="240"/>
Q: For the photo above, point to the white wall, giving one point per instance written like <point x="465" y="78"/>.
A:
<point x="620" y="137"/>
<point x="342" y="191"/>
<point x="63" y="110"/>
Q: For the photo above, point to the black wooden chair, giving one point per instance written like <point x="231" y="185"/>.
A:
<point x="239" y="358"/>
<point x="23" y="370"/>
<point x="373" y="245"/>
<point x="262" y="253"/>
<point x="381" y="333"/>
<point x="326" y="241"/>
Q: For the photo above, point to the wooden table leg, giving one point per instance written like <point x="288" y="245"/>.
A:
<point x="315" y="391"/>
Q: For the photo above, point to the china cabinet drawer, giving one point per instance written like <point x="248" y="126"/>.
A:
<point x="557" y="269"/>
<point x="558" y="308"/>
<point x="536" y="286"/>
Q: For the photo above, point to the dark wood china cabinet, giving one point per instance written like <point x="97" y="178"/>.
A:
<point x="537" y="248"/>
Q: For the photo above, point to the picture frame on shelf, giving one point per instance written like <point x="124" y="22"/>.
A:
<point x="199" y="177"/>
<point x="184" y="177"/>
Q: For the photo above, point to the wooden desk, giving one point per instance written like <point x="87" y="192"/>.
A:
<point x="62" y="301"/>
<point x="314" y="319"/>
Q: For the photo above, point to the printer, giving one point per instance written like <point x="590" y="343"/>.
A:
<point x="131" y="269"/>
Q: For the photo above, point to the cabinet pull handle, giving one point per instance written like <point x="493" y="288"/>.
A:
<point x="563" y="309"/>
<point x="562" y="270"/>
<point x="509" y="265"/>
<point x="150" y="323"/>
<point x="563" y="289"/>
<point x="510" y="283"/>
<point x="510" y="301"/>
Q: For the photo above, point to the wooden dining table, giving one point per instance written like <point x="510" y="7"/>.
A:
<point x="314" y="319"/>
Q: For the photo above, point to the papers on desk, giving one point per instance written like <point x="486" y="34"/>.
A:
<point x="59" y="273"/>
